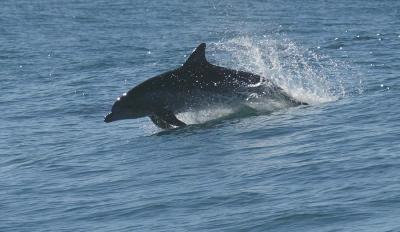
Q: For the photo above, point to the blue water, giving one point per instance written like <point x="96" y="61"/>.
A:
<point x="330" y="166"/>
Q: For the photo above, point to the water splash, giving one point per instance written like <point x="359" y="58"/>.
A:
<point x="206" y="114"/>
<point x="303" y="74"/>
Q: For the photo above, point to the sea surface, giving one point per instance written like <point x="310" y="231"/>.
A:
<point x="333" y="165"/>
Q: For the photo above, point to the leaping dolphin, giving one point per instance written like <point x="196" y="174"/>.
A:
<point x="195" y="84"/>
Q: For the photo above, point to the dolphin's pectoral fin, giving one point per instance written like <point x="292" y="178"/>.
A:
<point x="166" y="119"/>
<point x="160" y="122"/>
<point x="170" y="118"/>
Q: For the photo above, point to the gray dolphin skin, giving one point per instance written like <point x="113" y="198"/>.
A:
<point x="195" y="85"/>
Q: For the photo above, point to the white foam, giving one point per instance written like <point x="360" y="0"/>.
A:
<point x="204" y="115"/>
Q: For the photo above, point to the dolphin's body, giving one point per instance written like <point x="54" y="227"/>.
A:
<point x="192" y="86"/>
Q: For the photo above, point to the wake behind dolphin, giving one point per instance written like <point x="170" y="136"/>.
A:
<point x="195" y="85"/>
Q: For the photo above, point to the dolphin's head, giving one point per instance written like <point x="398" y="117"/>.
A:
<point x="127" y="106"/>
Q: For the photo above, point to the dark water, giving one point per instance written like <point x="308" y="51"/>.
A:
<point x="330" y="166"/>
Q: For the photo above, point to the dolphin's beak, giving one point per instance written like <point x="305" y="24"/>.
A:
<point x="108" y="118"/>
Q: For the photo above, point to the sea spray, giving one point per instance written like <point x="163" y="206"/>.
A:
<point x="302" y="73"/>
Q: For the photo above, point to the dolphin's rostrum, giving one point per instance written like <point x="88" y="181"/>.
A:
<point x="192" y="86"/>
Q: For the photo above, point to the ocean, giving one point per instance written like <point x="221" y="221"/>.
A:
<point x="332" y="165"/>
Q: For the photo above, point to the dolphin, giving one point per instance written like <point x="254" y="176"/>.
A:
<point x="196" y="84"/>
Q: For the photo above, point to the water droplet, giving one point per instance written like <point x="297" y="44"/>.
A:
<point x="381" y="85"/>
<point x="148" y="52"/>
<point x="336" y="38"/>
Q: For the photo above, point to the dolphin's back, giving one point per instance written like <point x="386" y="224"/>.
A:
<point x="214" y="78"/>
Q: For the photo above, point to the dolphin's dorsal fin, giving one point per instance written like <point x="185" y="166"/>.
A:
<point x="198" y="57"/>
